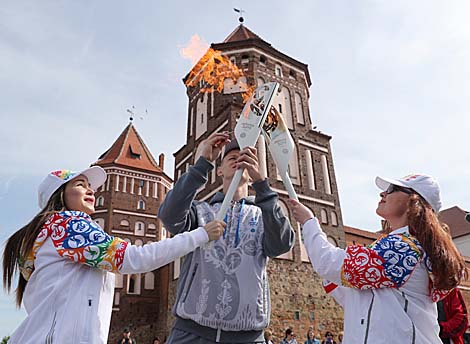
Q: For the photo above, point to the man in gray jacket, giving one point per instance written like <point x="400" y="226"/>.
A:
<point x="223" y="292"/>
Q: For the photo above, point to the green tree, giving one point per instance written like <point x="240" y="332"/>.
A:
<point x="5" y="340"/>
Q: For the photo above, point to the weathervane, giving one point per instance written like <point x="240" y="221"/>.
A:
<point x="133" y="113"/>
<point x="241" y="11"/>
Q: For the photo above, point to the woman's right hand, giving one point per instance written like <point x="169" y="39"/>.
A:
<point x="215" y="229"/>
<point x="301" y="213"/>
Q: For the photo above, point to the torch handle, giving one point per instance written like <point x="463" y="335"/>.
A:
<point x="229" y="195"/>
<point x="288" y="184"/>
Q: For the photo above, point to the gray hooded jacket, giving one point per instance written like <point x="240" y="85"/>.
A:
<point x="223" y="287"/>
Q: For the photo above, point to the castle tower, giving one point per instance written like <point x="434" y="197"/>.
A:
<point x="126" y="206"/>
<point x="298" y="299"/>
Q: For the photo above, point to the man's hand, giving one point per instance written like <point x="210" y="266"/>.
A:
<point x="211" y="147"/>
<point x="214" y="229"/>
<point x="248" y="160"/>
<point x="301" y="213"/>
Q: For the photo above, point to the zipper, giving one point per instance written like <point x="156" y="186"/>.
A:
<point x="405" y="308"/>
<point x="368" y="318"/>
<point x="50" y="334"/>
<point x="190" y="282"/>
<point x="87" y="320"/>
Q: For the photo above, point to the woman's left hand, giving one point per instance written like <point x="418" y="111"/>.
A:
<point x="301" y="213"/>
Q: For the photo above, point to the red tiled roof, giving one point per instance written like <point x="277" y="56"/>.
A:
<point x="130" y="150"/>
<point x="361" y="233"/>
<point x="455" y="218"/>
<point x="241" y="33"/>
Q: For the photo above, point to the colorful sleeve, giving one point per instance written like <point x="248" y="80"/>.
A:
<point x="78" y="238"/>
<point x="387" y="263"/>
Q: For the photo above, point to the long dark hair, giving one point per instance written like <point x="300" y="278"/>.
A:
<point x="21" y="243"/>
<point x="448" y="265"/>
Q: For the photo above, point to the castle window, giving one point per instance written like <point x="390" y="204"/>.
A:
<point x="134" y="152"/>
<point x="116" y="298"/>
<point x="100" y="201"/>
<point x="149" y="281"/>
<point x="334" y="219"/>
<point x="164" y="234"/>
<point x="133" y="284"/>
<point x="245" y="59"/>
<point x="299" y="109"/>
<point x="139" y="228"/>
<point x="278" y="71"/>
<point x="324" y="217"/>
<point x="297" y="315"/>
<point x="141" y="205"/>
<point x="292" y="74"/>
<point x="119" y="282"/>
<point x="326" y="174"/>
<point x="124" y="223"/>
<point x="262" y="59"/>
<point x="332" y="241"/>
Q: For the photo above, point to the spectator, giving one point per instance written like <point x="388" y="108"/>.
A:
<point x="328" y="338"/>
<point x="340" y="338"/>
<point x="268" y="337"/>
<point x="156" y="340"/>
<point x="311" y="337"/>
<point x="289" y="337"/>
<point x="126" y="337"/>
<point x="452" y="317"/>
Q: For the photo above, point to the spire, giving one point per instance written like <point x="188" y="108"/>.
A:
<point x="241" y="33"/>
<point x="130" y="150"/>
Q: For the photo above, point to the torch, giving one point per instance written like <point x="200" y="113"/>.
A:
<point x="281" y="145"/>
<point x="247" y="131"/>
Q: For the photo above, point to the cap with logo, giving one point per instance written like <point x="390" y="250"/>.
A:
<point x="96" y="177"/>
<point x="426" y="186"/>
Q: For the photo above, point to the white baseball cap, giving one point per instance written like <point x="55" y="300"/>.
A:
<point x="426" y="186"/>
<point x="54" y="180"/>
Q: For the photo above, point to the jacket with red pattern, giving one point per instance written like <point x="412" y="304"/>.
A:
<point x="385" y="289"/>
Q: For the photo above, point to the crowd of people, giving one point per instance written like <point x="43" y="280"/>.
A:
<point x="66" y="261"/>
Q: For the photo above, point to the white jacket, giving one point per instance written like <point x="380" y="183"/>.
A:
<point x="385" y="289"/>
<point x="70" y="274"/>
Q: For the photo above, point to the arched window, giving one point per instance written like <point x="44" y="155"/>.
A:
<point x="164" y="233"/>
<point x="332" y="240"/>
<point x="139" y="228"/>
<point x="119" y="282"/>
<point x="324" y="216"/>
<point x="141" y="205"/>
<point x="149" y="281"/>
<point x="116" y="298"/>
<point x="139" y="242"/>
<point x="133" y="284"/>
<point x="293" y="167"/>
<point x="283" y="104"/>
<point x="278" y="71"/>
<point x="124" y="223"/>
<point x="100" y="222"/>
<point x="334" y="219"/>
<point x="100" y="201"/>
<point x="299" y="109"/>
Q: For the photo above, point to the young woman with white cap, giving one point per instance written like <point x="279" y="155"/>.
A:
<point x="67" y="262"/>
<point x="388" y="290"/>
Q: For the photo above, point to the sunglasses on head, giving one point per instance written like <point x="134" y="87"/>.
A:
<point x="393" y="188"/>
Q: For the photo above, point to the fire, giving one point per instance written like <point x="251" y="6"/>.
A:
<point x="212" y="69"/>
<point x="195" y="49"/>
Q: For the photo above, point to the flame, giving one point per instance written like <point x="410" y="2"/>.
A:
<point x="211" y="69"/>
<point x="195" y="49"/>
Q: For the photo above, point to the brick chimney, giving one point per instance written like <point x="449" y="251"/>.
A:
<point x="161" y="161"/>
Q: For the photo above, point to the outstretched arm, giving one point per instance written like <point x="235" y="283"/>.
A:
<point x="78" y="238"/>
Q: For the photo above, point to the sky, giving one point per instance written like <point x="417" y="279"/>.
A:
<point x="390" y="85"/>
